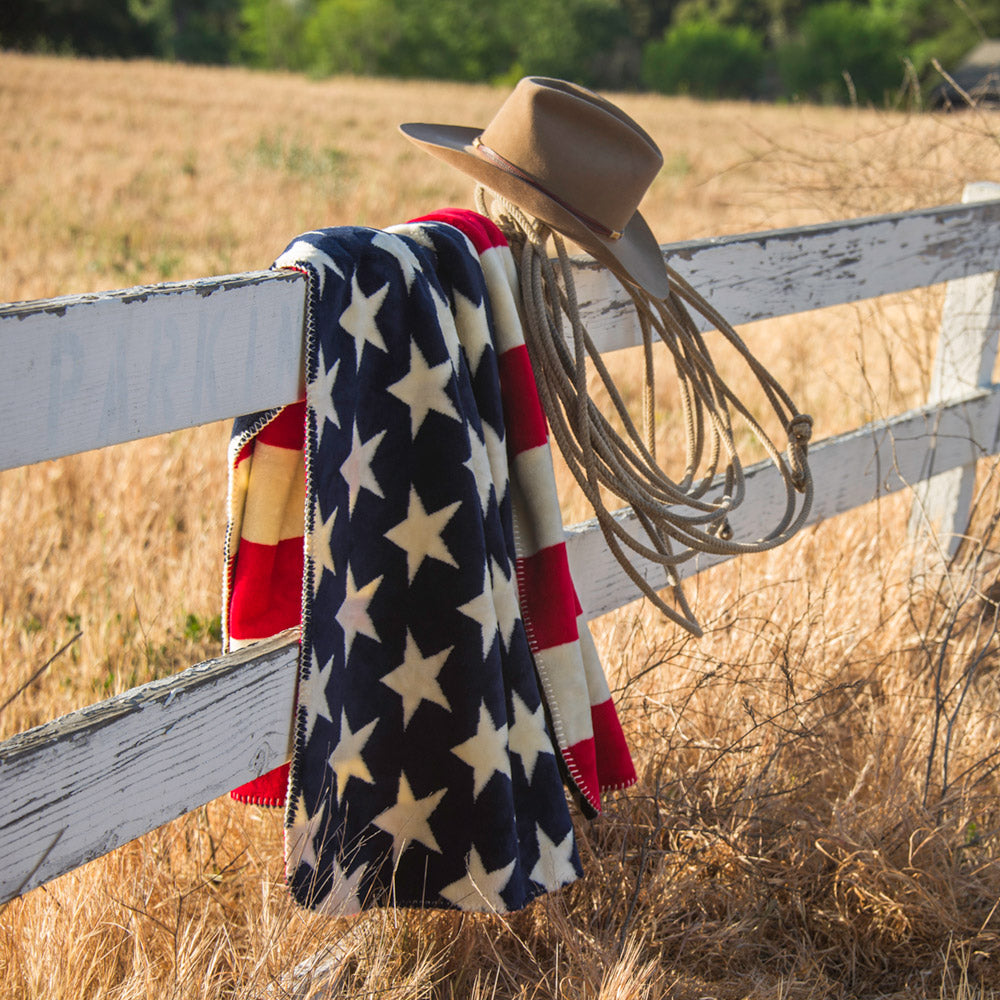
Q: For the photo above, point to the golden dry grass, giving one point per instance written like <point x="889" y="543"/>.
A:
<point x="818" y="809"/>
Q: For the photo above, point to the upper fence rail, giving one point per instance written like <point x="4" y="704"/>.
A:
<point x="87" y="371"/>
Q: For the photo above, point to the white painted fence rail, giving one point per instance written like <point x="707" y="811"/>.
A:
<point x="90" y="371"/>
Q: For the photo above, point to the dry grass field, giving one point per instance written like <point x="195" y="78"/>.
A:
<point x="819" y="807"/>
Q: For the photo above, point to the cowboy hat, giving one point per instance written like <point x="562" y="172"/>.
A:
<point x="572" y="160"/>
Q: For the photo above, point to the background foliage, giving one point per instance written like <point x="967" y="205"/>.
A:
<point x="831" y="51"/>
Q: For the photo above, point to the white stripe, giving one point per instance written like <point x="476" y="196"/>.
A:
<point x="535" y="501"/>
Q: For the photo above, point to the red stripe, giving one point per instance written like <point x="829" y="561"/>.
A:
<point x="267" y="790"/>
<point x="287" y="429"/>
<point x="267" y="589"/>
<point x="614" y="762"/>
<point x="481" y="231"/>
<point x="548" y="598"/>
<point x="526" y="427"/>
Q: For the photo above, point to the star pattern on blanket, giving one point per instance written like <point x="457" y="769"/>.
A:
<point x="353" y="614"/>
<point x="357" y="467"/>
<point x="425" y="388"/>
<point x="482" y="610"/>
<point x="407" y="820"/>
<point x="323" y="385"/>
<point x="312" y="694"/>
<point x="320" y="548"/>
<point x="303" y="252"/>
<point x="423" y="770"/>
<point x="485" y="751"/>
<point x="302" y="836"/>
<point x="478" y="463"/>
<point x="556" y="865"/>
<point x="415" y="680"/>
<point x="358" y="319"/>
<point x="419" y="534"/>
<point x="347" y="759"/>
<point x="527" y="736"/>
<point x="342" y="899"/>
<point x="505" y="601"/>
<point x="478" y="885"/>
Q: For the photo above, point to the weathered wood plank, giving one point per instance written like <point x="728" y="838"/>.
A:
<point x="758" y="276"/>
<point x="849" y="470"/>
<point x="78" y="787"/>
<point x="966" y="354"/>
<point x="86" y="372"/>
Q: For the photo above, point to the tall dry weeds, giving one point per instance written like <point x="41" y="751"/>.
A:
<point x="817" y="809"/>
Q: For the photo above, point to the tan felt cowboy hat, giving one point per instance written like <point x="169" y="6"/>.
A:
<point x="573" y="160"/>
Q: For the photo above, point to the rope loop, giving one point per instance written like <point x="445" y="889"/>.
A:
<point x="677" y="518"/>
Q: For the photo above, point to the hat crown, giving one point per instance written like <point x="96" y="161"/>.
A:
<point x="577" y="147"/>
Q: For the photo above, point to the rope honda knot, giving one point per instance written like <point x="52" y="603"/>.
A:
<point x="800" y="429"/>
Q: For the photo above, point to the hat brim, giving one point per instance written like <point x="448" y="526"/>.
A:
<point x="635" y="256"/>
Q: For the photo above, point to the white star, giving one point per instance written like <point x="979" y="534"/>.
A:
<point x="478" y="463"/>
<point x="479" y="889"/>
<point x="407" y="261"/>
<point x="421" y="235"/>
<point x="497" y="451"/>
<point x="446" y="321"/>
<point x="357" y="467"/>
<point x="358" y="319"/>
<point x="321" y="396"/>
<point x="301" y="835"/>
<point x="407" y="820"/>
<point x="353" y="614"/>
<point x="342" y="899"/>
<point x="312" y="694"/>
<point x="346" y="761"/>
<point x="320" y="551"/>
<point x="419" y="534"/>
<point x="555" y="863"/>
<point x="416" y="231"/>
<point x="505" y="601"/>
<point x="486" y="752"/>
<point x="300" y="252"/>
<point x="424" y="389"/>
<point x="527" y="736"/>
<point x="474" y="330"/>
<point x="482" y="610"/>
<point x="416" y="679"/>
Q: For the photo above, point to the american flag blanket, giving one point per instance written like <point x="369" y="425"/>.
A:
<point x="404" y="514"/>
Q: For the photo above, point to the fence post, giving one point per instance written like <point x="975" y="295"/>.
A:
<point x="967" y="350"/>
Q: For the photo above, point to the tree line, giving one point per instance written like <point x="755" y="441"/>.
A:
<point x="832" y="51"/>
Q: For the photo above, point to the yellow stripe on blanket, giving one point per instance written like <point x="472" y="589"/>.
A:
<point x="275" y="496"/>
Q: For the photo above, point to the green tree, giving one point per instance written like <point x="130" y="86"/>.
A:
<point x="844" y="51"/>
<point x="199" y="31"/>
<point x="105" y="29"/>
<point x="580" y="40"/>
<point x="706" y="59"/>
<point x="944" y="30"/>
<point x="349" y="36"/>
<point x="271" y="33"/>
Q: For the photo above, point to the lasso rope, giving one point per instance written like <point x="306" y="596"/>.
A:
<point x="678" y="518"/>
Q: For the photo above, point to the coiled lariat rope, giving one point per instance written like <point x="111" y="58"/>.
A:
<point x="679" y="519"/>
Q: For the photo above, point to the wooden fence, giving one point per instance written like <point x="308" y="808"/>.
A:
<point x="89" y="371"/>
